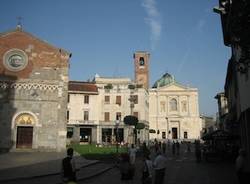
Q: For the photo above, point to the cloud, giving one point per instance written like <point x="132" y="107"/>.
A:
<point x="153" y="20"/>
<point x="200" y="25"/>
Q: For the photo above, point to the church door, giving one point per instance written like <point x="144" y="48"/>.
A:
<point x="174" y="133"/>
<point x="24" y="137"/>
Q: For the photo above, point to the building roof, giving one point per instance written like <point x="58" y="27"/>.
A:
<point x="84" y="87"/>
<point x="111" y="80"/>
<point x="20" y="30"/>
<point x="165" y="80"/>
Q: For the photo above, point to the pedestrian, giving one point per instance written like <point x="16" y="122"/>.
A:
<point x="168" y="144"/>
<point x="159" y="144"/>
<point x="188" y="147"/>
<point x="164" y="147"/>
<point x="147" y="171"/>
<point x="159" y="167"/>
<point x="241" y="167"/>
<point x="197" y="151"/>
<point x="156" y="146"/>
<point x="178" y="147"/>
<point x="69" y="168"/>
<point x="126" y="169"/>
<point x="132" y="154"/>
<point x="145" y="150"/>
<point x="173" y="148"/>
<point x="132" y="157"/>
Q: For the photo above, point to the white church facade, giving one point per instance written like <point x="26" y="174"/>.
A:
<point x="173" y="110"/>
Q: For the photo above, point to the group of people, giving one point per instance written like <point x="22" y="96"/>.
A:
<point x="158" y="166"/>
<point x="150" y="167"/>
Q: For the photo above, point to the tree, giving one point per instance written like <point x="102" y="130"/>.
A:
<point x="131" y="121"/>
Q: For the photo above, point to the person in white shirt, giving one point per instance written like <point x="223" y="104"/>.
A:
<point x="132" y="154"/>
<point x="147" y="172"/>
<point x="160" y="167"/>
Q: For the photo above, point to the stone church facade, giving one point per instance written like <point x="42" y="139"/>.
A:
<point x="33" y="92"/>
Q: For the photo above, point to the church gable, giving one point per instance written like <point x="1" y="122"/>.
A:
<point x="21" y="52"/>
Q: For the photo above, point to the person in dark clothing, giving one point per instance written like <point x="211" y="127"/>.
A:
<point x="241" y="167"/>
<point x="68" y="167"/>
<point x="173" y="148"/>
<point x="178" y="147"/>
<point x="197" y="151"/>
<point x="164" y="147"/>
<point x="145" y="150"/>
<point x="126" y="169"/>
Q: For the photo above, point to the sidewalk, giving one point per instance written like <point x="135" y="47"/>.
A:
<point x="17" y="165"/>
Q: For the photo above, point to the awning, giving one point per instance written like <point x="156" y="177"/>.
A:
<point x="219" y="135"/>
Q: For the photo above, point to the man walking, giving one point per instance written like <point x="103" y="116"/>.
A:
<point x="69" y="167"/>
<point x="160" y="167"/>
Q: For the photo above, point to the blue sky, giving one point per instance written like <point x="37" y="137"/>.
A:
<point x="183" y="37"/>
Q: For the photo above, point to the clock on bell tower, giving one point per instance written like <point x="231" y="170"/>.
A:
<point x="141" y="63"/>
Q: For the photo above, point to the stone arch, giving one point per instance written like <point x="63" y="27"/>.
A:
<point x="25" y="116"/>
<point x="23" y="129"/>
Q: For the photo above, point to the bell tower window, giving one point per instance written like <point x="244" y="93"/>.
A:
<point x="141" y="61"/>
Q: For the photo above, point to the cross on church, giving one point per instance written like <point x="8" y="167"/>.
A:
<point x="19" y="24"/>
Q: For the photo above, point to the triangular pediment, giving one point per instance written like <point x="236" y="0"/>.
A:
<point x="174" y="87"/>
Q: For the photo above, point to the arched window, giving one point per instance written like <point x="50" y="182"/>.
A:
<point x="173" y="104"/>
<point x="141" y="60"/>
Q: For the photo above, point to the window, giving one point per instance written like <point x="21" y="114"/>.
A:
<point x="70" y="132"/>
<point x="118" y="100"/>
<point x="118" y="116"/>
<point x="86" y="115"/>
<point x="68" y="98"/>
<point x="136" y="114"/>
<point x="185" y="135"/>
<point x="106" y="116"/>
<point x="86" y="99"/>
<point x="162" y="106"/>
<point x="134" y="98"/>
<point x="68" y="115"/>
<point x="184" y="106"/>
<point x="141" y="61"/>
<point x="173" y="104"/>
<point x="107" y="99"/>
<point x="106" y="135"/>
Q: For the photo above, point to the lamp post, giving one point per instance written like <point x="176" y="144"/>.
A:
<point x="117" y="136"/>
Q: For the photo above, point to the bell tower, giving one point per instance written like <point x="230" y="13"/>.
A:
<point x="141" y="62"/>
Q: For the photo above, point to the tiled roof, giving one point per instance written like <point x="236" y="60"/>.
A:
<point x="86" y="87"/>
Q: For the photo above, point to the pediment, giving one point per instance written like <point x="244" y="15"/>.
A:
<point x="173" y="87"/>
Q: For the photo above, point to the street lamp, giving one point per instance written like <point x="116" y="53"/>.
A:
<point x="116" y="127"/>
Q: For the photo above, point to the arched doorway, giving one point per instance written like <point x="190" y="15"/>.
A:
<point x="24" y="130"/>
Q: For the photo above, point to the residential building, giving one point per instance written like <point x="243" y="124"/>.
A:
<point x="208" y="124"/>
<point x="222" y="111"/>
<point x="101" y="118"/>
<point x="235" y="27"/>
<point x="83" y="114"/>
<point x="119" y="97"/>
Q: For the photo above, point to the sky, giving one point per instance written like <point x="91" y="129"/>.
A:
<point x="184" y="38"/>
